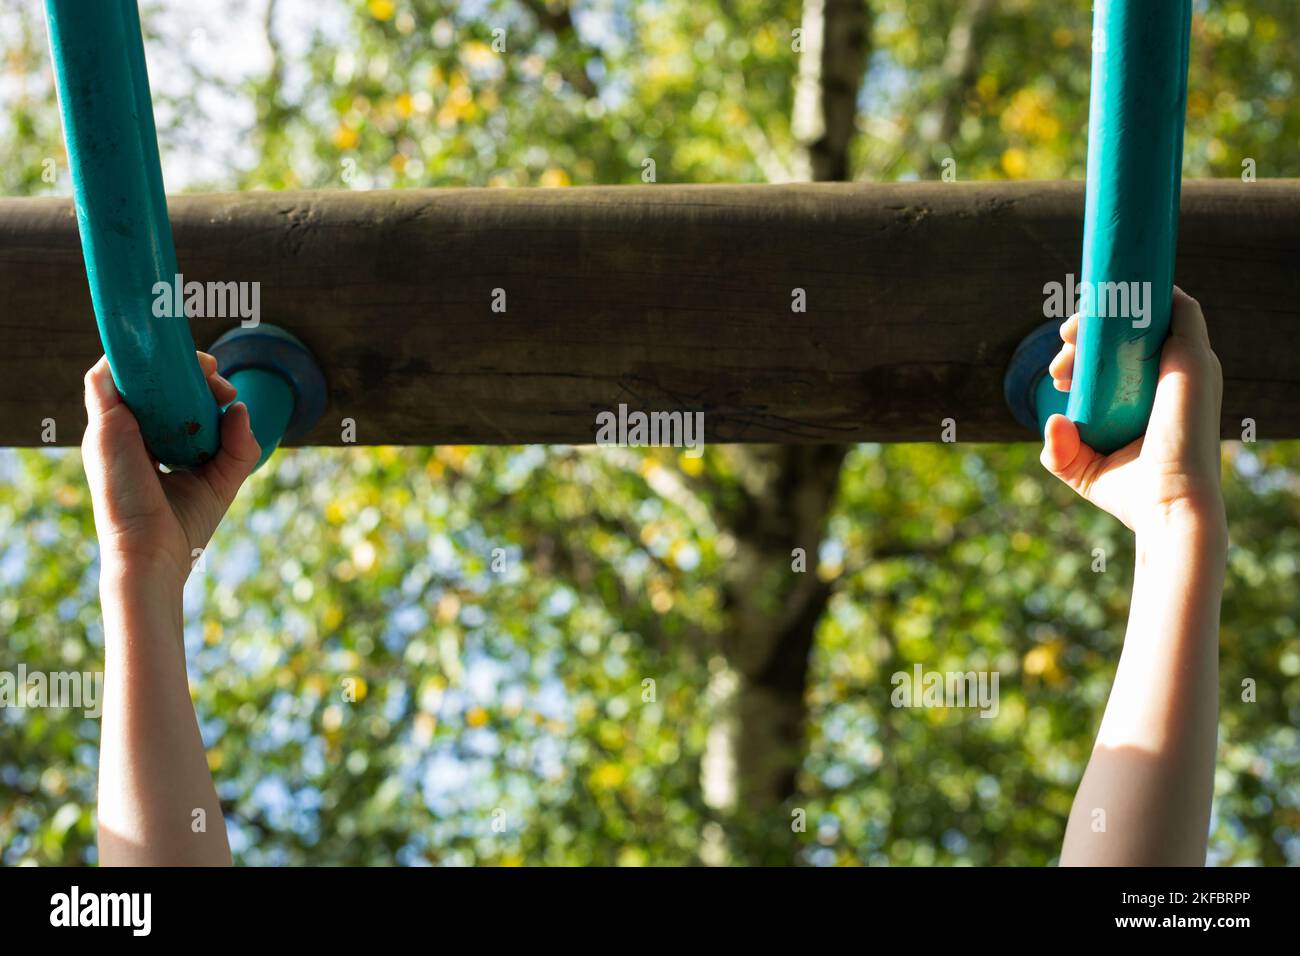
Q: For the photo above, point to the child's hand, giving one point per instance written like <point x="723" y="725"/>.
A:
<point x="1173" y="470"/>
<point x="149" y="523"/>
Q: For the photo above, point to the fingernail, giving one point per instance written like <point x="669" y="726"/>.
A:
<point x="105" y="389"/>
<point x="250" y="421"/>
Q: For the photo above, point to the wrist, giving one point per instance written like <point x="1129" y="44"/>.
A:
<point x="1198" y="523"/>
<point x="155" y="580"/>
<point x="143" y="614"/>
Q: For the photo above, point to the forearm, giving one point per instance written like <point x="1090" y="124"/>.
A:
<point x="153" y="772"/>
<point x="1146" y="793"/>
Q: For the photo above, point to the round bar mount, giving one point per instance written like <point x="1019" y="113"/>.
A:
<point x="1030" y="403"/>
<point x="255" y="359"/>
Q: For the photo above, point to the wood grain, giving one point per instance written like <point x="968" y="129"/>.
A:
<point x="662" y="297"/>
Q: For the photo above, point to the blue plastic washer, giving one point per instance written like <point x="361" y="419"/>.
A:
<point x="1028" y="365"/>
<point x="270" y="347"/>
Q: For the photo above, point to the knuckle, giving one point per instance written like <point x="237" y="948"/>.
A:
<point x="114" y="425"/>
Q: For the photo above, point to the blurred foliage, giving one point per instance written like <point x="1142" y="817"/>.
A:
<point x="509" y="656"/>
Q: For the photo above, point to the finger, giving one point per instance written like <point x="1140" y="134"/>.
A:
<point x="112" y="438"/>
<point x="101" y="392"/>
<point x="234" y="462"/>
<point x="1062" y="384"/>
<point x="122" y="477"/>
<point x="222" y="390"/>
<point x="1064" y="453"/>
<point x="1062" y="366"/>
<point x="1070" y="330"/>
<point x="1188" y="320"/>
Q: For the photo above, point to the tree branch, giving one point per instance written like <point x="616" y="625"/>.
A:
<point x="557" y="20"/>
<point x="960" y="66"/>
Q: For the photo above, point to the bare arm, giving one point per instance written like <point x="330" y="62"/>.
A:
<point x="1146" y="794"/>
<point x="157" y="803"/>
<point x="1151" y="775"/>
<point x="154" y="787"/>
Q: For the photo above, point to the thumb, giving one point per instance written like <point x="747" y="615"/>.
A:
<point x="1064" y="453"/>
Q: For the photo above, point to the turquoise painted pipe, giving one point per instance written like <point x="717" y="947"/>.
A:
<point x="1135" y="156"/>
<point x="126" y="237"/>
<point x="270" y="401"/>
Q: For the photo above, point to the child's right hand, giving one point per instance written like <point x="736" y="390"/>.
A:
<point x="1173" y="470"/>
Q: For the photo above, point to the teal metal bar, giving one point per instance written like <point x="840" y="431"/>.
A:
<point x="270" y="401"/>
<point x="126" y="237"/>
<point x="1135" y="153"/>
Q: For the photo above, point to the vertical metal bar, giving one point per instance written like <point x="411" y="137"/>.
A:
<point x="126" y="237"/>
<point x="1135" y="148"/>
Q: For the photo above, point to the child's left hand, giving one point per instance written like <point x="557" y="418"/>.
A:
<point x="150" y="524"/>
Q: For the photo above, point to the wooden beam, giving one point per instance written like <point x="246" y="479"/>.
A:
<point x="661" y="297"/>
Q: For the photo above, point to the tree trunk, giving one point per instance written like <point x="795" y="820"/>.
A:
<point x="833" y="56"/>
<point x="774" y="598"/>
<point x="774" y="601"/>
<point x="960" y="66"/>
